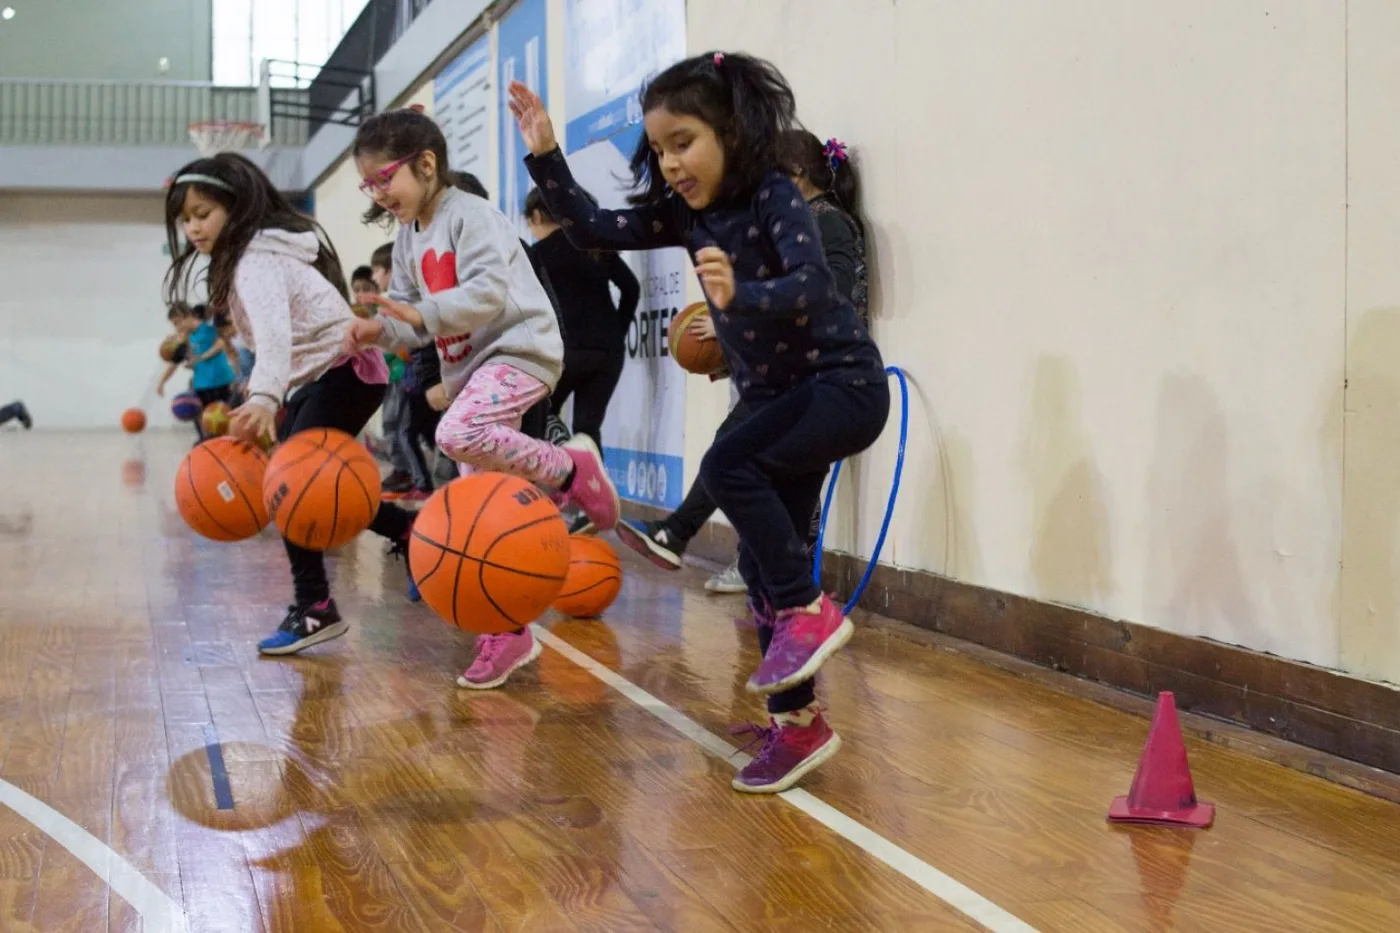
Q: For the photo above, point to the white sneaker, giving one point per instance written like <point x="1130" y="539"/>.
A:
<point x="727" y="581"/>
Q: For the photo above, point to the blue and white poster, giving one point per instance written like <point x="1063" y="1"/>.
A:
<point x="520" y="56"/>
<point x="462" y="96"/>
<point x="613" y="47"/>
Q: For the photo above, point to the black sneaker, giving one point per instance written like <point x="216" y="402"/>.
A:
<point x="399" y="550"/>
<point x="556" y="432"/>
<point x="397" y="482"/>
<point x="582" y="525"/>
<point x="654" y="541"/>
<point x="23" y="416"/>
<point x="303" y="627"/>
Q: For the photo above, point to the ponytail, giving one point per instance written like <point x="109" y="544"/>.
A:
<point x="826" y="166"/>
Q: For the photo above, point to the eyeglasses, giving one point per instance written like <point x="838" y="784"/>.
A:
<point x="379" y="182"/>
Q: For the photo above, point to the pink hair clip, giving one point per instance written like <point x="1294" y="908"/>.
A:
<point x="835" y="152"/>
<point x="719" y="59"/>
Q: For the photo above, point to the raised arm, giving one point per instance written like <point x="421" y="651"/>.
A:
<point x="802" y="283"/>
<point x="587" y="226"/>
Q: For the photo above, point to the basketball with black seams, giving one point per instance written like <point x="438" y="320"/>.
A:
<point x="489" y="552"/>
<point x="322" y="488"/>
<point x="701" y="357"/>
<point x="218" y="489"/>
<point x="593" y="581"/>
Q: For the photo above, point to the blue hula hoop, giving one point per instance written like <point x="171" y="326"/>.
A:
<point x="889" y="508"/>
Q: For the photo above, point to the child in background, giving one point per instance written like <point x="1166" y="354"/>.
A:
<point x="412" y="479"/>
<point x="463" y="279"/>
<point x="401" y="479"/>
<point x="205" y="353"/>
<point x="281" y="282"/>
<point x="16" y="411"/>
<point x="709" y="177"/>
<point x="595" y="327"/>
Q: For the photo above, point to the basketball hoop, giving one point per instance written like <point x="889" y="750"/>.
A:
<point x="211" y="138"/>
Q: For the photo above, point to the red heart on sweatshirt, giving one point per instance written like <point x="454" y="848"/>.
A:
<point x="439" y="272"/>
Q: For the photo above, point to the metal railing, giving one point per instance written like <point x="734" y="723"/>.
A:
<point x="324" y="94"/>
<point x="49" y="112"/>
<point x="380" y="24"/>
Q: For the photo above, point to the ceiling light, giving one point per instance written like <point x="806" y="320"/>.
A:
<point x="7" y="13"/>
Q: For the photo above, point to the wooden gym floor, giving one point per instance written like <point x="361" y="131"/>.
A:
<point x="156" y="771"/>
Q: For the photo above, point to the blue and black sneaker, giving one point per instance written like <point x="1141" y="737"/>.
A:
<point x="303" y="627"/>
<point x="400" y="549"/>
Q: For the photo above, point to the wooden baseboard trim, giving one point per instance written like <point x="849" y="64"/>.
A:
<point x="1309" y="718"/>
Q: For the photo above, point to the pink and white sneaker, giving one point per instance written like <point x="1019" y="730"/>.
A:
<point x="802" y="642"/>
<point x="497" y="657"/>
<point x="591" y="490"/>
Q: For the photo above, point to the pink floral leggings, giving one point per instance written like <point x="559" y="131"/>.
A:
<point x="481" y="428"/>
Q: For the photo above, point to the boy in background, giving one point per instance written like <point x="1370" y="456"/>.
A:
<point x="401" y="481"/>
<point x="206" y="353"/>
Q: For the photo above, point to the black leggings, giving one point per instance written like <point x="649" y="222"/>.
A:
<point x="341" y="401"/>
<point x="697" y="507"/>
<point x="223" y="393"/>
<point x="766" y="473"/>
<point x="591" y="377"/>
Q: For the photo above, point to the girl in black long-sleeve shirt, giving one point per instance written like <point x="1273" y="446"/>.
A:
<point x="595" y="329"/>
<point x="711" y="180"/>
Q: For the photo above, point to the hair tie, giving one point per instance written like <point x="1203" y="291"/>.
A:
<point x="835" y="152"/>
<point x="719" y="59"/>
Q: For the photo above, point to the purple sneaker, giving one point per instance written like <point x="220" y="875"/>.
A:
<point x="788" y="752"/>
<point x="591" y="490"/>
<point x="802" y="643"/>
<point x="497" y="657"/>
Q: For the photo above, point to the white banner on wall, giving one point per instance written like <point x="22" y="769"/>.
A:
<point x="613" y="45"/>
<point x="462" y="101"/>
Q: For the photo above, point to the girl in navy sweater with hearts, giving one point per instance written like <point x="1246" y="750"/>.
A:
<point x="709" y="178"/>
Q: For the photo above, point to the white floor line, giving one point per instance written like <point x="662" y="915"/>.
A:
<point x="951" y="892"/>
<point x="159" y="913"/>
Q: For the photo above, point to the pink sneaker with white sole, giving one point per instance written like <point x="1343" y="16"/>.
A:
<point x="802" y="643"/>
<point x="497" y="657"/>
<point x="591" y="490"/>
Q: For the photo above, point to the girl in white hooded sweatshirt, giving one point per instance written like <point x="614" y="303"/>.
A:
<point x="276" y="274"/>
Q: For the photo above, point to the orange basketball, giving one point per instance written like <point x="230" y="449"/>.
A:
<point x="322" y="488"/>
<point x="489" y="553"/>
<point x="133" y="421"/>
<point x="170" y="347"/>
<point x="215" y="419"/>
<point x="593" y="581"/>
<point x="694" y="355"/>
<point x="218" y="489"/>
